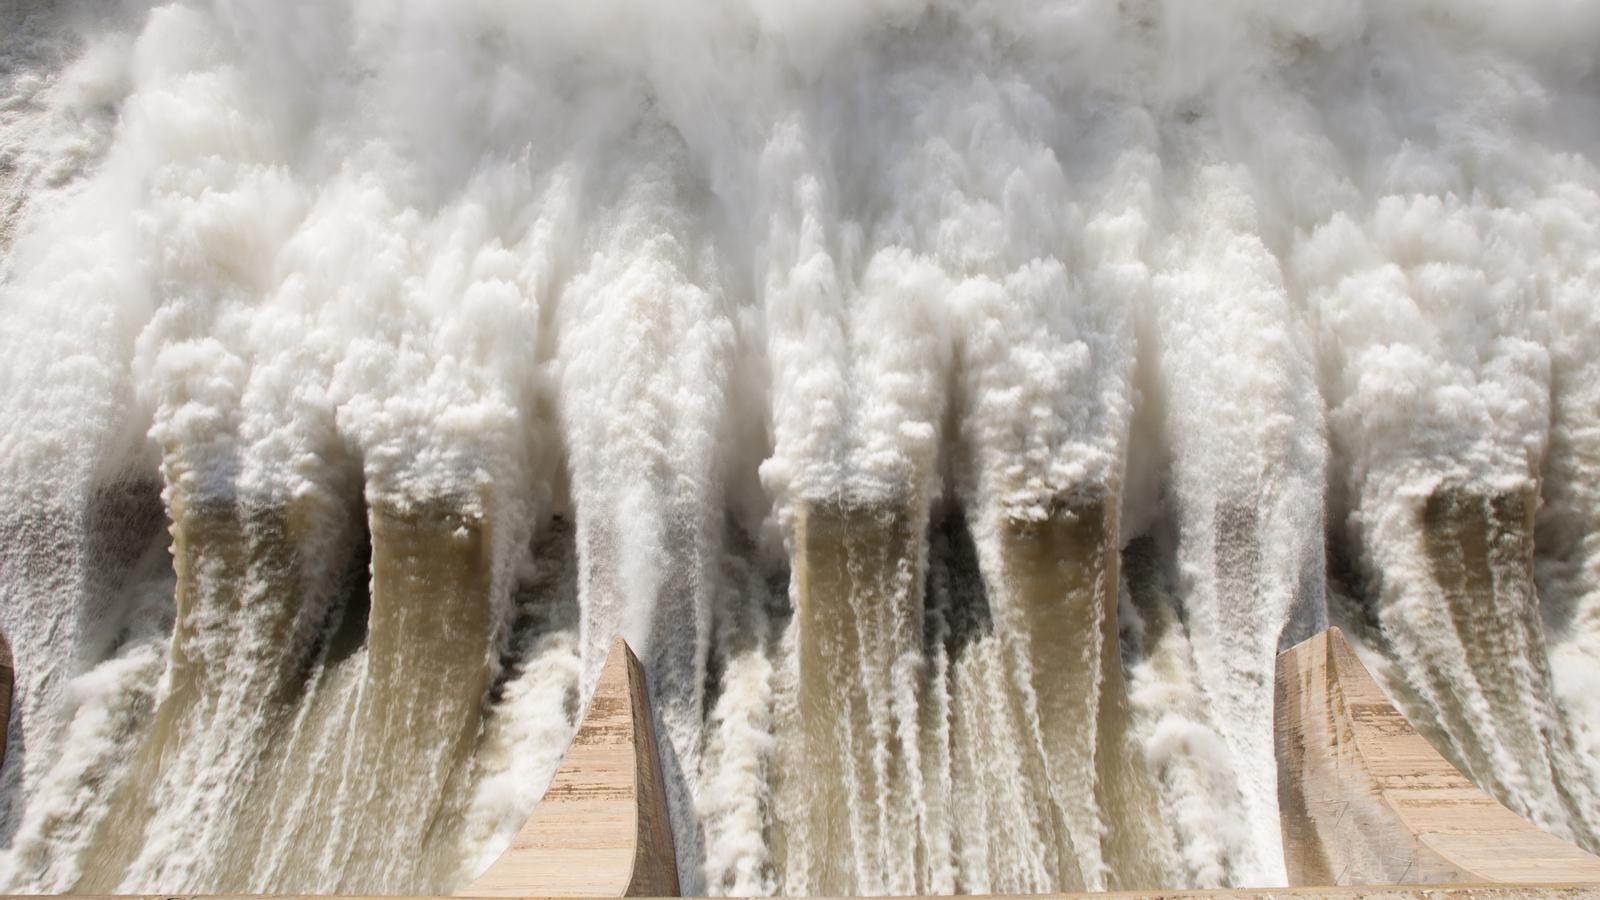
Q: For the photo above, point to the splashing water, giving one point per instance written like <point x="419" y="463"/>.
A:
<point x="956" y="405"/>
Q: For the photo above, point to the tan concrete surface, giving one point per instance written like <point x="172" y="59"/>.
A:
<point x="601" y="829"/>
<point x="1364" y="799"/>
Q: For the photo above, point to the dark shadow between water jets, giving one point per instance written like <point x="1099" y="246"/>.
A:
<point x="13" y="748"/>
<point x="957" y="602"/>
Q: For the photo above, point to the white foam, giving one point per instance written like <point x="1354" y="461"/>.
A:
<point x="1267" y="271"/>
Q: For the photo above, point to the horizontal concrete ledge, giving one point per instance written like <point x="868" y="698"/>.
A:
<point x="1364" y="798"/>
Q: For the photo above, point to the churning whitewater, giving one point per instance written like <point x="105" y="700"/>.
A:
<point x="957" y="405"/>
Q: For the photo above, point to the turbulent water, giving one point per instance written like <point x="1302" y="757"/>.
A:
<point x="957" y="405"/>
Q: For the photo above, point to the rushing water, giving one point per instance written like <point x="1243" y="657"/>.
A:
<point x="957" y="405"/>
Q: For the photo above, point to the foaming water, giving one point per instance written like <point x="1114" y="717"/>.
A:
<point x="957" y="406"/>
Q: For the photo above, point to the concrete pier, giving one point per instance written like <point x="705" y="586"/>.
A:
<point x="601" y="829"/>
<point x="1365" y="799"/>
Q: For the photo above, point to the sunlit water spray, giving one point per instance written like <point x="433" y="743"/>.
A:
<point x="957" y="407"/>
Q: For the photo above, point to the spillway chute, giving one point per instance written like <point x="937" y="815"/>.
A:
<point x="253" y="589"/>
<point x="857" y="590"/>
<point x="1470" y="622"/>
<point x="956" y="406"/>
<point x="1056" y="591"/>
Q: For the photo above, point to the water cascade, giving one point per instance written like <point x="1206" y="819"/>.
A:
<point x="956" y="405"/>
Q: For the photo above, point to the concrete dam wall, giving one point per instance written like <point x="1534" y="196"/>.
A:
<point x="957" y="406"/>
<point x="1369" y="809"/>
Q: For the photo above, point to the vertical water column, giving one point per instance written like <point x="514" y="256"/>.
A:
<point x="857" y="575"/>
<point x="1059" y="580"/>
<point x="252" y="588"/>
<point x="1047" y="360"/>
<point x="1244" y="430"/>
<point x="430" y="641"/>
<point x="443" y="402"/>
<point x="859" y="365"/>
<point x="1479" y="547"/>
<point x="73" y="447"/>
<point x="858" y="554"/>
<point x="991" y="825"/>
<point x="644" y="343"/>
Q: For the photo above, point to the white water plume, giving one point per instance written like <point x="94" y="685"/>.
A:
<point x="956" y="405"/>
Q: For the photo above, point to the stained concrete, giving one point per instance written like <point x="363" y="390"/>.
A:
<point x="601" y="829"/>
<point x="1364" y="799"/>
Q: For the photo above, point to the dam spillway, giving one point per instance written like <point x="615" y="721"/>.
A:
<point x="958" y="407"/>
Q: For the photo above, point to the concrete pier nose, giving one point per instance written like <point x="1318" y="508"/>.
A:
<point x="601" y="829"/>
<point x="1365" y="799"/>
